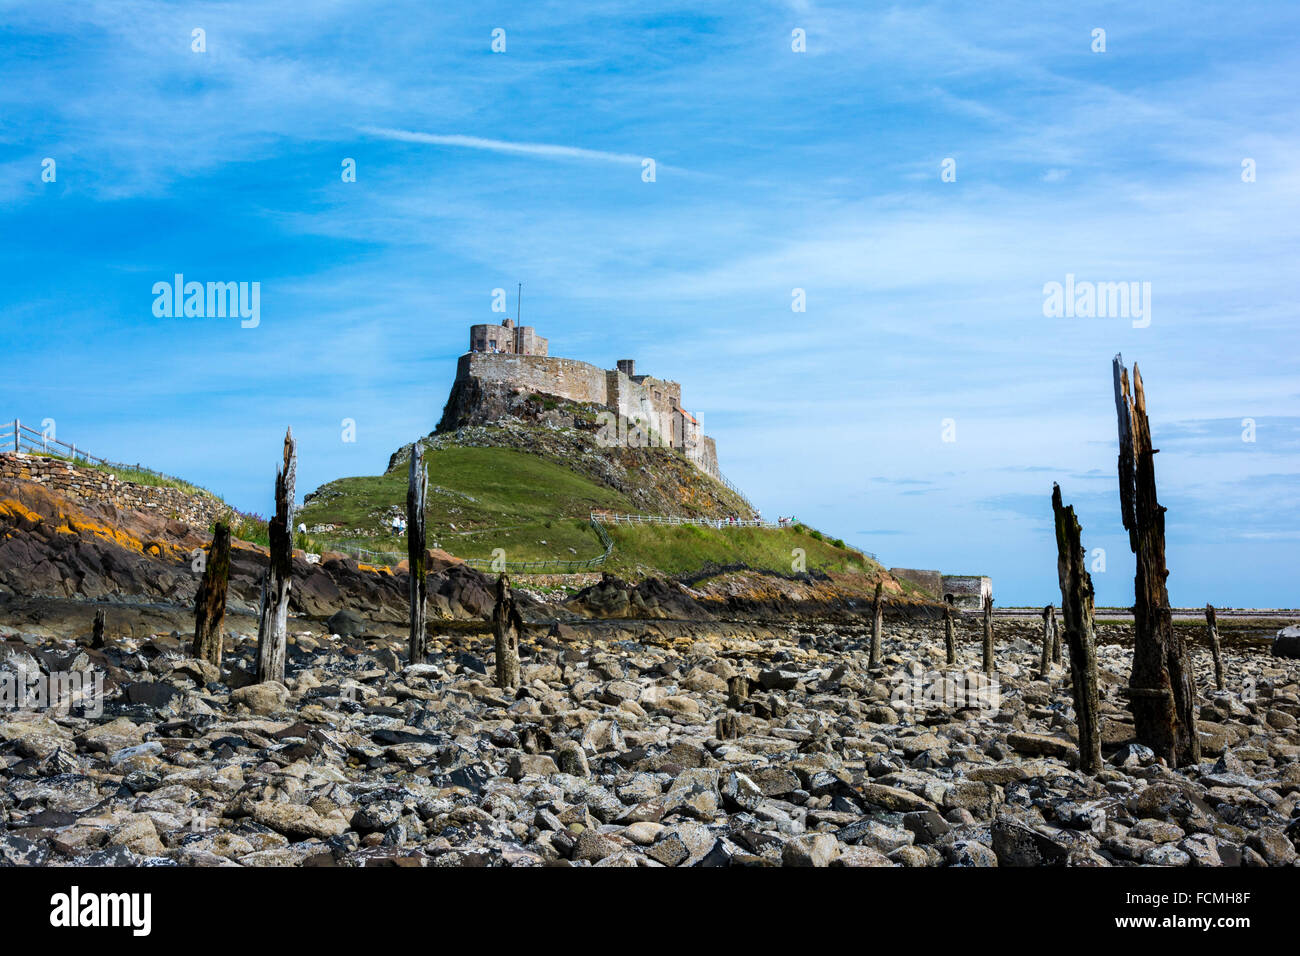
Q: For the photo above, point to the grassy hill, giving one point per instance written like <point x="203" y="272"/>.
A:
<point x="479" y="499"/>
<point x="684" y="549"/>
<point x="529" y="489"/>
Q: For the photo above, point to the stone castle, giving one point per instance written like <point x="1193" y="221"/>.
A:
<point x="507" y="360"/>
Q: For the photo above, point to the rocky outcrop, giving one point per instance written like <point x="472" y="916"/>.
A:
<point x="655" y="480"/>
<point x="652" y="599"/>
<point x="1287" y="642"/>
<point x="51" y="547"/>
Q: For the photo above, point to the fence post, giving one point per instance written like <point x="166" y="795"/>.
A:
<point x="16" y="427"/>
<point x="416" y="489"/>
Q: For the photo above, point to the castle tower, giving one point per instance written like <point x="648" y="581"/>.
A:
<point x="506" y="338"/>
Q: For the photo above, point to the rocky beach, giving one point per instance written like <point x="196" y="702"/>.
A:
<point x="630" y="742"/>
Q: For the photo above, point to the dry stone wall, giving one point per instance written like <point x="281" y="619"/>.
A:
<point x="93" y="486"/>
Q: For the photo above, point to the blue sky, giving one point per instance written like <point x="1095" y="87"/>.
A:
<point x="776" y="170"/>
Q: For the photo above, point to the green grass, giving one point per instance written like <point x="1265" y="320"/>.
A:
<point x="682" y="549"/>
<point x="494" y="498"/>
<point x="137" y="475"/>
<point x="483" y="498"/>
<point x="254" y="530"/>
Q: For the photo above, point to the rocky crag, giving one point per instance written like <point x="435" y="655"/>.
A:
<point x="656" y="480"/>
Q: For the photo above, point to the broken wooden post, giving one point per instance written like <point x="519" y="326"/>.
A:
<point x="273" y="613"/>
<point x="949" y="639"/>
<point x="737" y="692"/>
<point x="97" y="630"/>
<point x="1077" y="616"/>
<point x="210" y="602"/>
<point x="417" y="482"/>
<point x="507" y="627"/>
<point x="1056" y="636"/>
<point x="877" y="613"/>
<point x="1045" y="662"/>
<point x="727" y="727"/>
<point x="1212" y="626"/>
<point x="1161" y="690"/>
<point x="988" y="634"/>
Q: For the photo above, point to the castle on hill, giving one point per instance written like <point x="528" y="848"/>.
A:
<point x="508" y="360"/>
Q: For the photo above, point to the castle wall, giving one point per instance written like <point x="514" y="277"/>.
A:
<point x="708" y="455"/>
<point x="507" y="338"/>
<point x="652" y="402"/>
<point x="649" y="401"/>
<point x="565" y="378"/>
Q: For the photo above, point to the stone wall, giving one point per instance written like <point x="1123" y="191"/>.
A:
<point x="92" y="486"/>
<point x="929" y="581"/>
<point x="652" y="403"/>
<point x="968" y="591"/>
<point x="564" y="378"/>
<point x="506" y="337"/>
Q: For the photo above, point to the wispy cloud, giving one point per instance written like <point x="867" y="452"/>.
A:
<point x="818" y="171"/>
<point x="541" y="150"/>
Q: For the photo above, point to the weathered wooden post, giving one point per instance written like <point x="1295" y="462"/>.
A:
<point x="507" y="627"/>
<point x="988" y="634"/>
<point x="1161" y="690"/>
<point x="97" y="630"/>
<point x="274" y="611"/>
<point x="1045" y="662"/>
<point x="949" y="639"/>
<point x="877" y="613"/>
<point x="1056" y="636"/>
<point x="737" y="692"/>
<point x="1077" y="616"/>
<point x="210" y="602"/>
<point x="1212" y="626"/>
<point x="417" y="482"/>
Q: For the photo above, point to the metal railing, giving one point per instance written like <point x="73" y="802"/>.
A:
<point x="735" y="490"/>
<point x="19" y="439"/>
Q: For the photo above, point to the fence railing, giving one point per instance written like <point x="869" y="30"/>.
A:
<point x="540" y="566"/>
<point x="735" y="490"/>
<point x="611" y="518"/>
<point x="17" y="438"/>
<point x="548" y="566"/>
